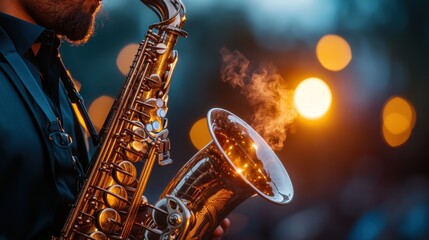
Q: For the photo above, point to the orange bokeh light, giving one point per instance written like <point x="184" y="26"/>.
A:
<point x="199" y="134"/>
<point x="126" y="57"/>
<point x="312" y="98"/>
<point x="333" y="52"/>
<point x="99" y="109"/>
<point x="399" y="118"/>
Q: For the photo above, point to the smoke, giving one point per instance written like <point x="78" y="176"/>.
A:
<point x="266" y="92"/>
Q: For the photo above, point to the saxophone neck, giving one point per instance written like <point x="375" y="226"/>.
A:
<point x="169" y="12"/>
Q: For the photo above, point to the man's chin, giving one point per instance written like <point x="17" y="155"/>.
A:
<point x="79" y="28"/>
<point x="78" y="40"/>
<point x="79" y="36"/>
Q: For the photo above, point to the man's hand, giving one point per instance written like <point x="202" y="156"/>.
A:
<point x="221" y="229"/>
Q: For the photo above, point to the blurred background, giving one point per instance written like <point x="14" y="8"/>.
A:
<point x="346" y="81"/>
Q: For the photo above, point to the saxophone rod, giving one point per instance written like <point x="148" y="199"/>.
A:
<point x="147" y="169"/>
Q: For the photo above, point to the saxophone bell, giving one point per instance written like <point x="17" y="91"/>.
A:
<point x="234" y="166"/>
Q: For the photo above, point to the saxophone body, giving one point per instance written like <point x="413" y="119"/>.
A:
<point x="135" y="134"/>
<point x="236" y="165"/>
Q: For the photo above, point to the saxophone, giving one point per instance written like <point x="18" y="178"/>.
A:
<point x="237" y="163"/>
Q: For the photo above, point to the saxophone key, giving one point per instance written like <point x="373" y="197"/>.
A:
<point x="125" y="173"/>
<point x="139" y="146"/>
<point x="97" y="235"/>
<point x="159" y="102"/>
<point x="149" y="127"/>
<point x="173" y="56"/>
<point x="109" y="221"/>
<point x="132" y="155"/>
<point x="154" y="81"/>
<point x="160" y="48"/>
<point x="161" y="112"/>
<point x="156" y="126"/>
<point x="116" y="197"/>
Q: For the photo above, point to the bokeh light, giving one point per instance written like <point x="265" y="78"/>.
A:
<point x="333" y="52"/>
<point x="398" y="121"/>
<point x="99" y="109"/>
<point x="126" y="57"/>
<point x="312" y="98"/>
<point x="200" y="135"/>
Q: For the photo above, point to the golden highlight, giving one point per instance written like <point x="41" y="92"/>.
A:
<point x="266" y="92"/>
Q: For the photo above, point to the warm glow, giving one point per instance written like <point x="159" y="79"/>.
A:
<point x="79" y="117"/>
<point x="312" y="98"/>
<point x="396" y="140"/>
<point x="200" y="135"/>
<point x="398" y="121"/>
<point x="333" y="52"/>
<point x="126" y="57"/>
<point x="99" y="109"/>
<point x="77" y="86"/>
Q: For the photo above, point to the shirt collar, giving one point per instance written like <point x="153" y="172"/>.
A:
<point x="23" y="34"/>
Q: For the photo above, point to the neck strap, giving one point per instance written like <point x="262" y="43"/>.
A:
<point x="76" y="98"/>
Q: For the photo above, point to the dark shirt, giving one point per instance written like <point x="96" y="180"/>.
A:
<point x="37" y="185"/>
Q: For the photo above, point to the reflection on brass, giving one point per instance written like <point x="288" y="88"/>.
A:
<point x="139" y="146"/>
<point x="108" y="221"/>
<point x="125" y="173"/>
<point x="132" y="155"/>
<point x="98" y="236"/>
<point x="116" y="197"/>
<point x="241" y="151"/>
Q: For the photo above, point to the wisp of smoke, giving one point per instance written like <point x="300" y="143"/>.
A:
<point x="266" y="92"/>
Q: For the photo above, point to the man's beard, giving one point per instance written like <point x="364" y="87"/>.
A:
<point x="77" y="27"/>
<point x="74" y="23"/>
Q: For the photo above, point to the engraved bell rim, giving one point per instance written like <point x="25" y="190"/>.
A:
<point x="281" y="188"/>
